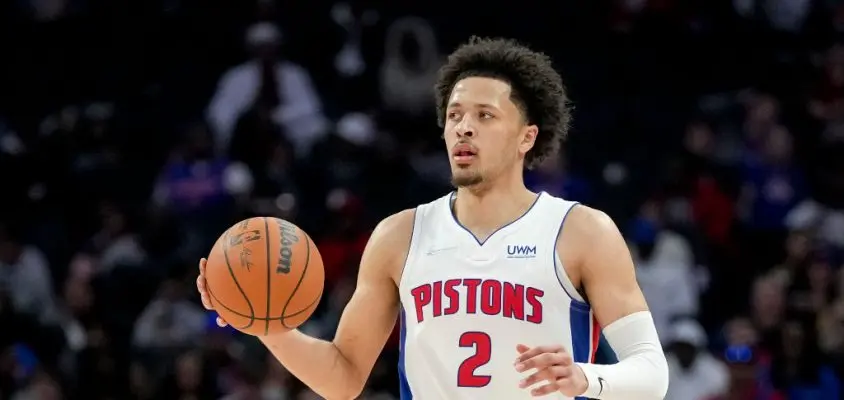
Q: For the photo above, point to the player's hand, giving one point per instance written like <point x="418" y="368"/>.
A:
<point x="553" y="366"/>
<point x="203" y="293"/>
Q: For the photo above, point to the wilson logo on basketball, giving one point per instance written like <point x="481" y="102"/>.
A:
<point x="285" y="251"/>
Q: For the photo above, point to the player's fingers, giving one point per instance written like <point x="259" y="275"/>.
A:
<point x="206" y="302"/>
<point x="564" y="359"/>
<point x="540" y="361"/>
<point x="203" y="293"/>
<point x="542" y="374"/>
<point x="551" y="374"/>
<point x="534" y="351"/>
<point x="202" y="263"/>
<point x="528" y="352"/>
<point x="544" y="390"/>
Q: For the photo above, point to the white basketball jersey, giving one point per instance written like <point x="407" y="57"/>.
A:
<point x="466" y="304"/>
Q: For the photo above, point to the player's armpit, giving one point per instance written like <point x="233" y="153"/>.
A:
<point x="338" y="370"/>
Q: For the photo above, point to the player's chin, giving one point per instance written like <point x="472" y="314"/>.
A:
<point x="465" y="177"/>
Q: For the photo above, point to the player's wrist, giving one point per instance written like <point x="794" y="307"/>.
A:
<point x="592" y="386"/>
<point x="275" y="337"/>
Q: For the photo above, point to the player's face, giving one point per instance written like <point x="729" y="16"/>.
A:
<point x="485" y="132"/>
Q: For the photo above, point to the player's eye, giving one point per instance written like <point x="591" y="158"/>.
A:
<point x="485" y="115"/>
<point x="452" y="115"/>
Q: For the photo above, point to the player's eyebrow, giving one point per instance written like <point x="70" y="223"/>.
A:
<point x="479" y="105"/>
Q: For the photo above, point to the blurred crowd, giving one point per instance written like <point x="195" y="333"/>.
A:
<point x="131" y="135"/>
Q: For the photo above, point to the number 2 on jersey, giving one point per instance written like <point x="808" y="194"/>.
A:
<point x="483" y="352"/>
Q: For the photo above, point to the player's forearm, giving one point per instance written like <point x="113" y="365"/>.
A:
<point x="317" y="363"/>
<point x="641" y="372"/>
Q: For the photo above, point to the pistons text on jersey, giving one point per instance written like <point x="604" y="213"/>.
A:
<point x="470" y="296"/>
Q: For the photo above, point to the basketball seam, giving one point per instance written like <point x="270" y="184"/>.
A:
<point x="301" y="278"/>
<point x="308" y="307"/>
<point x="237" y="284"/>
<point x="232" y="311"/>
<point x="269" y="275"/>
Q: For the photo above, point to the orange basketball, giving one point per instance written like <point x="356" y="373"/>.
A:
<point x="264" y="275"/>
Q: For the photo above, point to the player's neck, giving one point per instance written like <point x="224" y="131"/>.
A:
<point x="484" y="211"/>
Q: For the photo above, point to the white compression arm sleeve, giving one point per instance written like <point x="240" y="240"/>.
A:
<point x="641" y="372"/>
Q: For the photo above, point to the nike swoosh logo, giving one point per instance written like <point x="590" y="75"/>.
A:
<point x="435" y="251"/>
<point x="601" y="382"/>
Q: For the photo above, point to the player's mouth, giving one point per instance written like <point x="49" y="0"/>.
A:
<point x="463" y="153"/>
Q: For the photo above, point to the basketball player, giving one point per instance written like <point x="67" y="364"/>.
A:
<point x="500" y="291"/>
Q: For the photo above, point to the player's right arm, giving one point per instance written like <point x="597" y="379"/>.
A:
<point x="338" y="370"/>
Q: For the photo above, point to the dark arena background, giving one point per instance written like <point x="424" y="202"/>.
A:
<point x="132" y="133"/>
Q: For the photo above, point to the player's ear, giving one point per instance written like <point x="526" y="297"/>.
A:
<point x="528" y="138"/>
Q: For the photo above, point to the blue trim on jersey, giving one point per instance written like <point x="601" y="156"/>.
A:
<point x="558" y="268"/>
<point x="404" y="387"/>
<point x="581" y="334"/>
<point x="481" y="242"/>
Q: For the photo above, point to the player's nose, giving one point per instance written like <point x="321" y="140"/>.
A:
<point x="465" y="132"/>
<point x="465" y="127"/>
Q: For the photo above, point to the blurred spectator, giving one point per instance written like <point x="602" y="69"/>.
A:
<point x="553" y="177"/>
<point x="826" y="100"/>
<point x="745" y="356"/>
<point x="665" y="270"/>
<point x="41" y="387"/>
<point x="768" y="305"/>
<point x="197" y="184"/>
<point x="276" y="384"/>
<point x="74" y="315"/>
<point x="411" y="61"/>
<point x="342" y="246"/>
<point x="406" y="81"/>
<point x="785" y="15"/>
<point x="798" y="252"/>
<point x="284" y="89"/>
<point x="51" y="10"/>
<point x="114" y="245"/>
<point x="694" y="374"/>
<point x="773" y="183"/>
<point x="826" y="222"/>
<point x="702" y="183"/>
<point x="798" y="370"/>
<point x="772" y="186"/>
<point x="188" y="380"/>
<point x="169" y="321"/>
<point x="25" y="276"/>
<point x="349" y="62"/>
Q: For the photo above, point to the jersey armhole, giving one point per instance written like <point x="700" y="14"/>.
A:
<point x="411" y="247"/>
<point x="559" y="268"/>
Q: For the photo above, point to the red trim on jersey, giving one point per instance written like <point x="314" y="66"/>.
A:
<point x="596" y="339"/>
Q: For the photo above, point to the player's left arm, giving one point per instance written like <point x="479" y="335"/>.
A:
<point x="608" y="277"/>
<point x="599" y="257"/>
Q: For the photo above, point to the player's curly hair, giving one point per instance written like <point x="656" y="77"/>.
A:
<point x="536" y="87"/>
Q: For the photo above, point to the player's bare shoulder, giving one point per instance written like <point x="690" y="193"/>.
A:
<point x="389" y="244"/>
<point x="586" y="230"/>
<point x="585" y="224"/>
